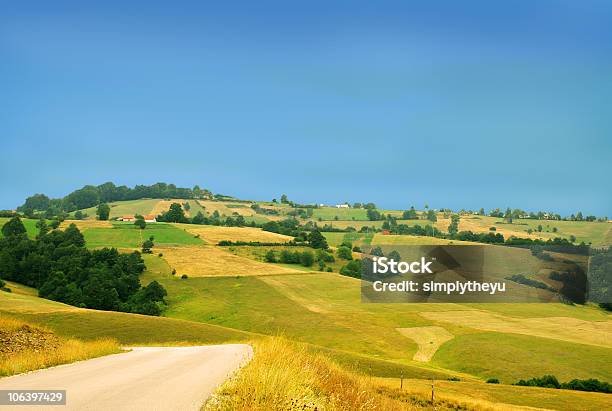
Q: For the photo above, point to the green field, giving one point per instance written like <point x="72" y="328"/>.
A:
<point x="126" y="235"/>
<point x="331" y="305"/>
<point x="333" y="213"/>
<point x="30" y="225"/>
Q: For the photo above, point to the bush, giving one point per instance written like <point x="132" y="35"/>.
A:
<point x="184" y="277"/>
<point x="352" y="269"/>
<point x="345" y="253"/>
<point x="270" y="257"/>
<point x="329" y="270"/>
<point x="307" y="258"/>
<point x="453" y="379"/>
<point x="174" y="271"/>
<point x="160" y="254"/>
<point x="492" y="381"/>
<point x="324" y="256"/>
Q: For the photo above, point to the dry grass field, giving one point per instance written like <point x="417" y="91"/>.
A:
<point x="210" y="261"/>
<point x="428" y="339"/>
<point x="26" y="347"/>
<point x="214" y="234"/>
<point x="83" y="225"/>
<point x="559" y="328"/>
<point x="227" y="208"/>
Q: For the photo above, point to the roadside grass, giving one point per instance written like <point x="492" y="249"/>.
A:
<point x="213" y="234"/>
<point x="285" y="376"/>
<point x="27" y="347"/>
<point x="127" y="235"/>
<point x="127" y="329"/>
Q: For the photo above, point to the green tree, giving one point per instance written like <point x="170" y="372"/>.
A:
<point x="317" y="240"/>
<point x="431" y="216"/>
<point x="284" y="199"/>
<point x="270" y="257"/>
<point x="395" y="255"/>
<point x="13" y="227"/>
<point x="140" y="222"/>
<point x="344" y="253"/>
<point x="175" y="214"/>
<point x="306" y="258"/>
<point x="147" y="246"/>
<point x="410" y="214"/>
<point x="103" y="211"/>
<point x="42" y="227"/>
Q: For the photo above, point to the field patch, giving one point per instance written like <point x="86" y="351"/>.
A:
<point x="84" y="225"/>
<point x="568" y="329"/>
<point x="209" y="261"/>
<point x="227" y="208"/>
<point x="429" y="339"/>
<point x="127" y="235"/>
<point x="213" y="234"/>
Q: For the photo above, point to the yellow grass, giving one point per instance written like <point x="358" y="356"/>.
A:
<point x="66" y="351"/>
<point x="560" y="328"/>
<point x="213" y="234"/>
<point x="210" y="261"/>
<point x="164" y="205"/>
<point x="428" y="339"/>
<point x="83" y="225"/>
<point x="502" y="397"/>
<point x="285" y="376"/>
<point x="223" y="209"/>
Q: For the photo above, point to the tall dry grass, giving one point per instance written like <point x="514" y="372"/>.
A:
<point x="284" y="376"/>
<point x="65" y="351"/>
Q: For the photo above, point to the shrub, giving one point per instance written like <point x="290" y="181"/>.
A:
<point x="174" y="271"/>
<point x="270" y="257"/>
<point x="184" y="277"/>
<point x="307" y="258"/>
<point x="160" y="255"/>
<point x="352" y="269"/>
<point x="453" y="379"/>
<point x="345" y="253"/>
<point x="492" y="381"/>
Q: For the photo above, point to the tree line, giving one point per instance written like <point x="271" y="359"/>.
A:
<point x="59" y="265"/>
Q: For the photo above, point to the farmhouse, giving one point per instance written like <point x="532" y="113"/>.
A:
<point x="150" y="218"/>
<point x="127" y="218"/>
<point x="342" y="206"/>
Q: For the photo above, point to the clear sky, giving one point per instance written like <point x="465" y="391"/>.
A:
<point x="455" y="104"/>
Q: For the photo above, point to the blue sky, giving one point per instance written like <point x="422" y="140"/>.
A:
<point x="454" y="104"/>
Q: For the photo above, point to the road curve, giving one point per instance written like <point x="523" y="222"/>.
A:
<point x="146" y="378"/>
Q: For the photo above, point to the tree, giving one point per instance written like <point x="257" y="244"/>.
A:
<point x="481" y="211"/>
<point x="410" y="214"/>
<point x="199" y="218"/>
<point x="352" y="269"/>
<point x="572" y="238"/>
<point x="373" y="214"/>
<point x="42" y="227"/>
<point x="174" y="215"/>
<point x="13" y="227"/>
<point x="78" y="215"/>
<point x="270" y="257"/>
<point x="284" y="199"/>
<point x="306" y="258"/>
<point x="140" y="222"/>
<point x="377" y="251"/>
<point x="317" y="240"/>
<point x="394" y="255"/>
<point x="147" y="246"/>
<point x="453" y="228"/>
<point x="345" y="253"/>
<point x="103" y="211"/>
<point x="431" y="216"/>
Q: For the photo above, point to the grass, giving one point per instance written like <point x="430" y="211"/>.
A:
<point x="127" y="235"/>
<point x="52" y="351"/>
<point x="213" y="234"/>
<point x="127" y="329"/>
<point x="511" y="357"/>
<point x="286" y="376"/>
<point x="121" y="208"/>
<point x="501" y="396"/>
<point x="210" y="261"/>
<point x="333" y="213"/>
<point x="29" y="224"/>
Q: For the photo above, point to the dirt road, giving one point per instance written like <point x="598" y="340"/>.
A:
<point x="146" y="378"/>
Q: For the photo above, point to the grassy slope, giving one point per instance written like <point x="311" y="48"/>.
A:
<point x="126" y="235"/>
<point x="130" y="207"/>
<point x="30" y="225"/>
<point x="126" y="328"/>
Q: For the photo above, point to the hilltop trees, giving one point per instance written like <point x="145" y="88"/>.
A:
<point x="103" y="211"/>
<point x="59" y="265"/>
<point x="410" y="214"/>
<point x="13" y="227"/>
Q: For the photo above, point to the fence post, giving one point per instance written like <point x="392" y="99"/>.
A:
<point x="401" y="381"/>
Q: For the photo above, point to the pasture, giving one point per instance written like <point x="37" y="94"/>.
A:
<point x="127" y="235"/>
<point x="214" y="234"/>
<point x="29" y="224"/>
